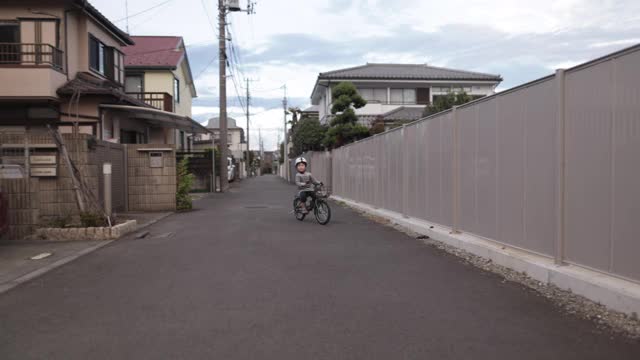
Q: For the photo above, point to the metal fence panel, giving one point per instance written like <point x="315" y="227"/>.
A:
<point x="589" y="160"/>
<point x="486" y="186"/>
<point x="540" y="164"/>
<point x="492" y="169"/>
<point x="626" y="150"/>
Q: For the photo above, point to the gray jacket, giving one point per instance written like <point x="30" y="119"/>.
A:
<point x="305" y="181"/>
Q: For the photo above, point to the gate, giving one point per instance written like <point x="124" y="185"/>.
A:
<point x="201" y="166"/>
<point x="107" y="152"/>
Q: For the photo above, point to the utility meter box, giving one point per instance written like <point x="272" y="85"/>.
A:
<point x="233" y="5"/>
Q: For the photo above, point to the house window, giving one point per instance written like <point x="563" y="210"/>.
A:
<point x="9" y="34"/>
<point x="176" y="89"/>
<point x="118" y="66"/>
<point x="403" y="96"/>
<point x="133" y="84"/>
<point x="97" y="55"/>
<point x="378" y="95"/>
<point x="106" y="60"/>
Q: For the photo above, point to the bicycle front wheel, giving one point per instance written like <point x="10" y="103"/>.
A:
<point x="296" y="210"/>
<point x="322" y="212"/>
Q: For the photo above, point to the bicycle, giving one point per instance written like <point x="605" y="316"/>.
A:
<point x="318" y="204"/>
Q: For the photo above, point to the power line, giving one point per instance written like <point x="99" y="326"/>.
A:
<point x="144" y="11"/>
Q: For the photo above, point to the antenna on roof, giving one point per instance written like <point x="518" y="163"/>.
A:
<point x="126" y="10"/>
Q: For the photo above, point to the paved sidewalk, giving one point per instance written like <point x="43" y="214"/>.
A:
<point x="240" y="278"/>
<point x="17" y="267"/>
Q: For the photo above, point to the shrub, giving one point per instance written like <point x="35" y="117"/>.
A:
<point x="61" y="222"/>
<point x="185" y="180"/>
<point x="89" y="219"/>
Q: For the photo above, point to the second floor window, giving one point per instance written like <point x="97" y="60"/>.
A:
<point x="106" y="60"/>
<point x="176" y="89"/>
<point x="403" y="96"/>
<point x="97" y="55"/>
<point x="375" y="95"/>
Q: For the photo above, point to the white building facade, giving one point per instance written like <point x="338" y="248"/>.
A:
<point x="393" y="89"/>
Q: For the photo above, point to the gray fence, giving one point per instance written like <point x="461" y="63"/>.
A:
<point x="550" y="167"/>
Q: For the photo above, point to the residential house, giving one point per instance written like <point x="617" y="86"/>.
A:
<point x="157" y="71"/>
<point x="236" y="141"/>
<point x="65" y="64"/>
<point x="397" y="92"/>
<point x="310" y="113"/>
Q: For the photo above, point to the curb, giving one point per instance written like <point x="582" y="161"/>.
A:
<point x="615" y="293"/>
<point x="45" y="269"/>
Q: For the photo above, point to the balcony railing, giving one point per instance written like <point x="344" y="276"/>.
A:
<point x="159" y="100"/>
<point x="31" y="55"/>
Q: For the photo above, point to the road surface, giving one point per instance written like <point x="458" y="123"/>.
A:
<point x="240" y="278"/>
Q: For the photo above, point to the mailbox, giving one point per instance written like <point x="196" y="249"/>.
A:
<point x="156" y="159"/>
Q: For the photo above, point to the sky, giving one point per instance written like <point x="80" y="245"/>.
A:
<point x="291" y="41"/>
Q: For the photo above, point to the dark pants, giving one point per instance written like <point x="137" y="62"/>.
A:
<point x="302" y="195"/>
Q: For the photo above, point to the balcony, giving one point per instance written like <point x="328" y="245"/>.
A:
<point x="30" y="55"/>
<point x="159" y="100"/>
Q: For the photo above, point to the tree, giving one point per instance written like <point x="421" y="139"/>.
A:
<point x="308" y="136"/>
<point x="446" y="102"/>
<point x="296" y="113"/>
<point x="344" y="126"/>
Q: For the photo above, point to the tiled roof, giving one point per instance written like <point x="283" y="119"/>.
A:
<point x="404" y="113"/>
<point x="312" y="108"/>
<point x="87" y="84"/>
<point x="154" y="51"/>
<point x="406" y="72"/>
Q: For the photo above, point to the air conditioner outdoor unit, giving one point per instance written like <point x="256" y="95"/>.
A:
<point x="233" y="5"/>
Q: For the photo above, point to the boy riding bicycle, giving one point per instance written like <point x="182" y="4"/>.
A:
<point x="305" y="182"/>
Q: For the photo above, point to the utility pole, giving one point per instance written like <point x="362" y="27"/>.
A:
<point x="248" y="148"/>
<point x="222" y="57"/>
<point x="286" y="150"/>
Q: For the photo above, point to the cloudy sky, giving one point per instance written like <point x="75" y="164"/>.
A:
<point x="291" y="41"/>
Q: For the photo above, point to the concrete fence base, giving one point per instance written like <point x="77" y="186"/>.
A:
<point x="92" y="233"/>
<point x="615" y="293"/>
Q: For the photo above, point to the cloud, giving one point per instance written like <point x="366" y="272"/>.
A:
<point x="290" y="41"/>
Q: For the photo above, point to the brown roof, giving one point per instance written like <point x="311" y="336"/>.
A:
<point x="87" y="84"/>
<point x="154" y="51"/>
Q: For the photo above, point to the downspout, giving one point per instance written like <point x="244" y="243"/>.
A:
<point x="66" y="43"/>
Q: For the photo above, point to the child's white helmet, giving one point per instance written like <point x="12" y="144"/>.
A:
<point x="301" y="160"/>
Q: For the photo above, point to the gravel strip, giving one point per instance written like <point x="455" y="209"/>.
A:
<point x="572" y="304"/>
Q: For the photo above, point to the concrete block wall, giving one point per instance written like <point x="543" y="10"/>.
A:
<point x="151" y="189"/>
<point x="57" y="196"/>
<point x="24" y="211"/>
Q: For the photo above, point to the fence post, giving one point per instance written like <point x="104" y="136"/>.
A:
<point x="561" y="186"/>
<point x="405" y="173"/>
<point x="126" y="177"/>
<point x="455" y="166"/>
<point x="106" y="172"/>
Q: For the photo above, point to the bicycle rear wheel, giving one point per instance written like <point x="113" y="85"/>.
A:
<point x="322" y="211"/>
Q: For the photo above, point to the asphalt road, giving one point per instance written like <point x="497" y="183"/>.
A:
<point x="240" y="278"/>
